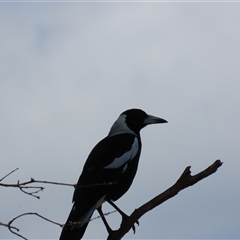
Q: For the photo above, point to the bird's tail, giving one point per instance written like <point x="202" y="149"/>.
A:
<point x="77" y="223"/>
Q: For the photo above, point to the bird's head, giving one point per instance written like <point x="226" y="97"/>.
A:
<point x="132" y="121"/>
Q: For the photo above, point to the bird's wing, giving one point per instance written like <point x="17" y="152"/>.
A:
<point x="105" y="164"/>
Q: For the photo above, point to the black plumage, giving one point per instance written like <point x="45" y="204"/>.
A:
<point x="108" y="172"/>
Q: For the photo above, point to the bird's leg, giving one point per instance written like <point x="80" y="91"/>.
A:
<point x="109" y="230"/>
<point x="124" y="215"/>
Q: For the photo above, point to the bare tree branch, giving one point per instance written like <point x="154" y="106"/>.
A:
<point x="14" y="230"/>
<point x="23" y="186"/>
<point x="185" y="180"/>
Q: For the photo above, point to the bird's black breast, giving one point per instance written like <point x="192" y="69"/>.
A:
<point x="112" y="162"/>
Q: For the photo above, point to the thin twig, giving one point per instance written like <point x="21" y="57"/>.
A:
<point x="105" y="214"/>
<point x="86" y="221"/>
<point x="8" y="226"/>
<point x="9" y="174"/>
<point x="12" y="228"/>
<point x="25" y="185"/>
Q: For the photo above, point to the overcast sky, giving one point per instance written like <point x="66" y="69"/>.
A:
<point x="67" y="70"/>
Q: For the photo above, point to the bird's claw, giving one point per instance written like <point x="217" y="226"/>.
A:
<point x="125" y="218"/>
<point x="134" y="228"/>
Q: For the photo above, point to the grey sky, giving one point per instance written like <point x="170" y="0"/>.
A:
<point x="67" y="70"/>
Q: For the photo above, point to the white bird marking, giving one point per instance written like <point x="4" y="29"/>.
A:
<point x="100" y="202"/>
<point x="86" y="217"/>
<point x="120" y="126"/>
<point x="127" y="156"/>
<point x="125" y="168"/>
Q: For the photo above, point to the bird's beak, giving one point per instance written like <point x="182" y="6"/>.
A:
<point x="152" y="119"/>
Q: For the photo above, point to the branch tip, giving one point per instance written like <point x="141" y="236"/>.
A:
<point x="186" y="174"/>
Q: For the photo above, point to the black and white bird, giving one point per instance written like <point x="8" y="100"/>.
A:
<point x="108" y="172"/>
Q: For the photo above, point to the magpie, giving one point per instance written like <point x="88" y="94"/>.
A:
<point x="108" y="172"/>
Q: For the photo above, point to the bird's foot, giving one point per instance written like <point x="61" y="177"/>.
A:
<point x="125" y="218"/>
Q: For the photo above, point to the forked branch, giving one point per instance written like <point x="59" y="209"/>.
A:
<point x="33" y="191"/>
<point x="184" y="181"/>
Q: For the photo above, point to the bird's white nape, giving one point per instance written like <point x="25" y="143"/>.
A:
<point x="120" y="126"/>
